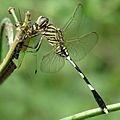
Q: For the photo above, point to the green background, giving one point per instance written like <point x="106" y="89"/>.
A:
<point x="45" y="96"/>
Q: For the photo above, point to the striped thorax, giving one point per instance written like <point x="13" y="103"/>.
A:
<point x="54" y="35"/>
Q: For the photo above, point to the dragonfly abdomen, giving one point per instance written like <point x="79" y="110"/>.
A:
<point x="62" y="51"/>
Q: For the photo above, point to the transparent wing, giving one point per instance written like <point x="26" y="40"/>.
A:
<point x="52" y="62"/>
<point x="78" y="43"/>
<point x="74" y="26"/>
<point x="79" y="47"/>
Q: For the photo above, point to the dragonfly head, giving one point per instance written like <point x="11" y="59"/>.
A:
<point x="42" y="21"/>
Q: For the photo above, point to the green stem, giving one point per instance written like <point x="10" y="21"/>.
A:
<point x="92" y="112"/>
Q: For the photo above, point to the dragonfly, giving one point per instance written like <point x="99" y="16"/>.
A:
<point x="67" y="46"/>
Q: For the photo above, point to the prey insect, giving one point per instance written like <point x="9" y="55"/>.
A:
<point x="15" y="46"/>
<point x="65" y="48"/>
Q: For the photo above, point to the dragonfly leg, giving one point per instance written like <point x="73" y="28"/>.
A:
<point x="36" y="47"/>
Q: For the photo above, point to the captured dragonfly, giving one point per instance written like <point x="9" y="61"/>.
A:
<point x="66" y="48"/>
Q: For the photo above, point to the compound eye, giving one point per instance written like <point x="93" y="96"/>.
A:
<point x="42" y="21"/>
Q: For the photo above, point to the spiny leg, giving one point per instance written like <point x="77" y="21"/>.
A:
<point x="35" y="50"/>
<point x="97" y="97"/>
<point x="36" y="47"/>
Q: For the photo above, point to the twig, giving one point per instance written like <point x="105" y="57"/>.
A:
<point x="92" y="112"/>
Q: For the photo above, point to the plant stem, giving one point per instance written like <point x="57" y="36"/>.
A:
<point x="92" y="112"/>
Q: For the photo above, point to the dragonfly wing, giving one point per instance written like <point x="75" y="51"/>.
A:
<point x="79" y="47"/>
<point x="52" y="62"/>
<point x="78" y="43"/>
<point x="74" y="26"/>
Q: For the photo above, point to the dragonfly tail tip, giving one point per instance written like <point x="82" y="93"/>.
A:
<point x="105" y="110"/>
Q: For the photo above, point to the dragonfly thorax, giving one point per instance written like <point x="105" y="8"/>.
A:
<point x="55" y="38"/>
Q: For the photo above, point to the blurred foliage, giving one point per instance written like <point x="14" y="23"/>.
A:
<point x="25" y="96"/>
